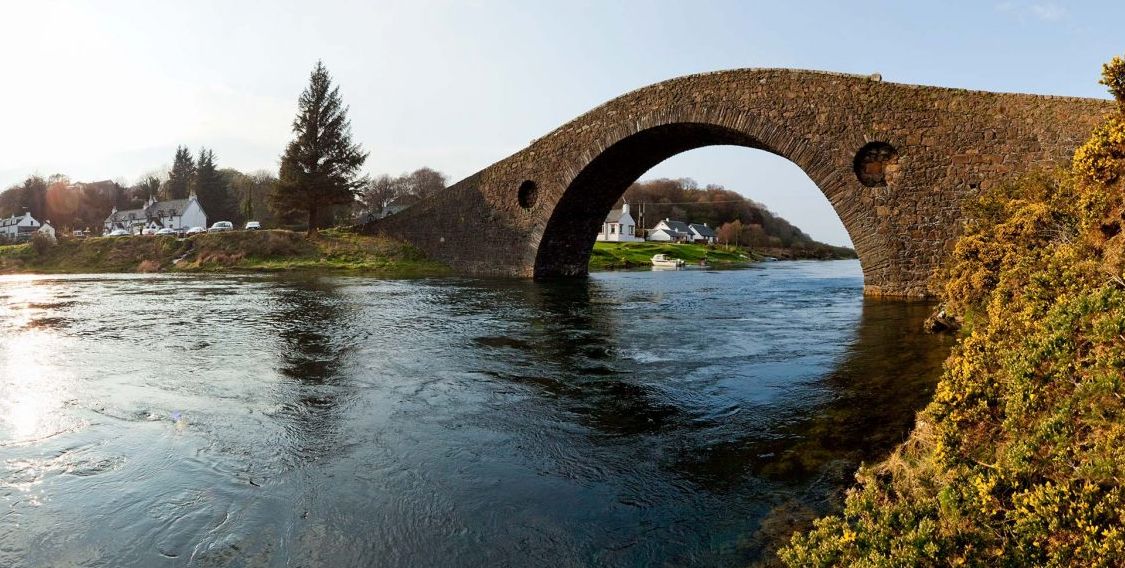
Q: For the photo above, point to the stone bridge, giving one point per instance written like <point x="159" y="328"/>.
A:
<point x="895" y="161"/>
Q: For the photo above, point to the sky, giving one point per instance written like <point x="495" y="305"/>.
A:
<point x="107" y="89"/>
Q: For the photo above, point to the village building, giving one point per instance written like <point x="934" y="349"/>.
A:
<point x="47" y="230"/>
<point x="14" y="229"/>
<point x="177" y="214"/>
<point x="702" y="234"/>
<point x="669" y="231"/>
<point x="619" y="227"/>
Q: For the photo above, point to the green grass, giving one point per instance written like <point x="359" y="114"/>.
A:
<point x="611" y="256"/>
<point x="263" y="251"/>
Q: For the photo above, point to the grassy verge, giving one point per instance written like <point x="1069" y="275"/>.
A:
<point x="613" y="256"/>
<point x="616" y="256"/>
<point x="267" y="251"/>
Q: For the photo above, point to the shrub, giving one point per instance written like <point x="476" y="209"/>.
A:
<point x="1113" y="77"/>
<point x="41" y="243"/>
<point x="1018" y="460"/>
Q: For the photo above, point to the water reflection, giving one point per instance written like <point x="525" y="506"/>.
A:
<point x="571" y="354"/>
<point x="633" y="419"/>
<point x="312" y="321"/>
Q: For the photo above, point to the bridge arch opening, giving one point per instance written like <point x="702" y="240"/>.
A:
<point x="569" y="235"/>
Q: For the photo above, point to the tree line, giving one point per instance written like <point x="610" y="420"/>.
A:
<point x="319" y="182"/>
<point x="737" y="220"/>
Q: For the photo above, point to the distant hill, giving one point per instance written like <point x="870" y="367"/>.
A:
<point x="737" y="220"/>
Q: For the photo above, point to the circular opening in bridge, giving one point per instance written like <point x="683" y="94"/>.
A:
<point x="528" y="193"/>
<point x="875" y="163"/>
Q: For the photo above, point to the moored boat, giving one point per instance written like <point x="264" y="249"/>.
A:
<point x="665" y="261"/>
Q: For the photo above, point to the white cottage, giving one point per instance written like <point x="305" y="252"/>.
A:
<point x="47" y="230"/>
<point x="178" y="214"/>
<point x="670" y="231"/>
<point x="702" y="233"/>
<point x="18" y="228"/>
<point x="619" y="227"/>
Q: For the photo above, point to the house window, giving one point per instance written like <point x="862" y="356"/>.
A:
<point x="613" y="229"/>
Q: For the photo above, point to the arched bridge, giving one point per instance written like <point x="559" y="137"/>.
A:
<point x="895" y="161"/>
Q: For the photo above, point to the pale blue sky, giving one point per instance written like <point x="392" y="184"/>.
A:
<point x="107" y="89"/>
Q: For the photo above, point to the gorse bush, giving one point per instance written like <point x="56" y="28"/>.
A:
<point x="1019" y="460"/>
<point x="1113" y="77"/>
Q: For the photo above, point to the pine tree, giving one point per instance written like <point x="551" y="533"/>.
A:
<point x="211" y="188"/>
<point x="320" y="167"/>
<point x="180" y="176"/>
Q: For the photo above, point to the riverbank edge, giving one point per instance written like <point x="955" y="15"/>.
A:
<point x="272" y="251"/>
<point x="608" y="256"/>
<point x="331" y="251"/>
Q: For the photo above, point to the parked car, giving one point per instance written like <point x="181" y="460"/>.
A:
<point x="148" y="231"/>
<point x="221" y="226"/>
<point x="195" y="231"/>
<point x="119" y="233"/>
<point x="253" y="226"/>
<point x="79" y="234"/>
<point x="166" y="231"/>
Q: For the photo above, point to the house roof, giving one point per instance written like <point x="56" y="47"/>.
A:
<point x="137" y="215"/>
<point x="673" y="233"/>
<point x="702" y="230"/>
<point x="678" y="226"/>
<point x="177" y="205"/>
<point x="13" y="220"/>
<point x="152" y="210"/>
<point x="614" y="216"/>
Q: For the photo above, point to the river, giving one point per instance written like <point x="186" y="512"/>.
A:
<point x="632" y="419"/>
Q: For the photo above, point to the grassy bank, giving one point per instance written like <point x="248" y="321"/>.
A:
<point x="234" y="251"/>
<point x="613" y="256"/>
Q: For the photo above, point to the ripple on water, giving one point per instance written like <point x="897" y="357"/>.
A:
<point x="629" y="419"/>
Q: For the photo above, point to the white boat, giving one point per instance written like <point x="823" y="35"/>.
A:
<point x="664" y="261"/>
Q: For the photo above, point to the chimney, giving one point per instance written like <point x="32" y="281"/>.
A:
<point x="625" y="209"/>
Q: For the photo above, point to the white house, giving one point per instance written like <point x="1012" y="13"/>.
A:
<point x="619" y="227"/>
<point x="18" y="228"/>
<point x="178" y="214"/>
<point x="702" y="233"/>
<point x="671" y="231"/>
<point x="47" y="229"/>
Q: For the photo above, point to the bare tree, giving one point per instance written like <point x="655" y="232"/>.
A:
<point x="382" y="191"/>
<point x="425" y="182"/>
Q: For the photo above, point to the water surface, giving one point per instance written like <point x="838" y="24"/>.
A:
<point x="635" y="419"/>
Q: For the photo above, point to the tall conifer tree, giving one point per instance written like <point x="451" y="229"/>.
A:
<point x="211" y="188"/>
<point x="181" y="175"/>
<point x="320" y="166"/>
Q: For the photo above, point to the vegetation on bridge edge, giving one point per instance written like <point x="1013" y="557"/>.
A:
<point x="1019" y="459"/>
<point x="267" y="251"/>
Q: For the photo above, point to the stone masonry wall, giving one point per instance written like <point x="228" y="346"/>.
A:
<point x="896" y="162"/>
